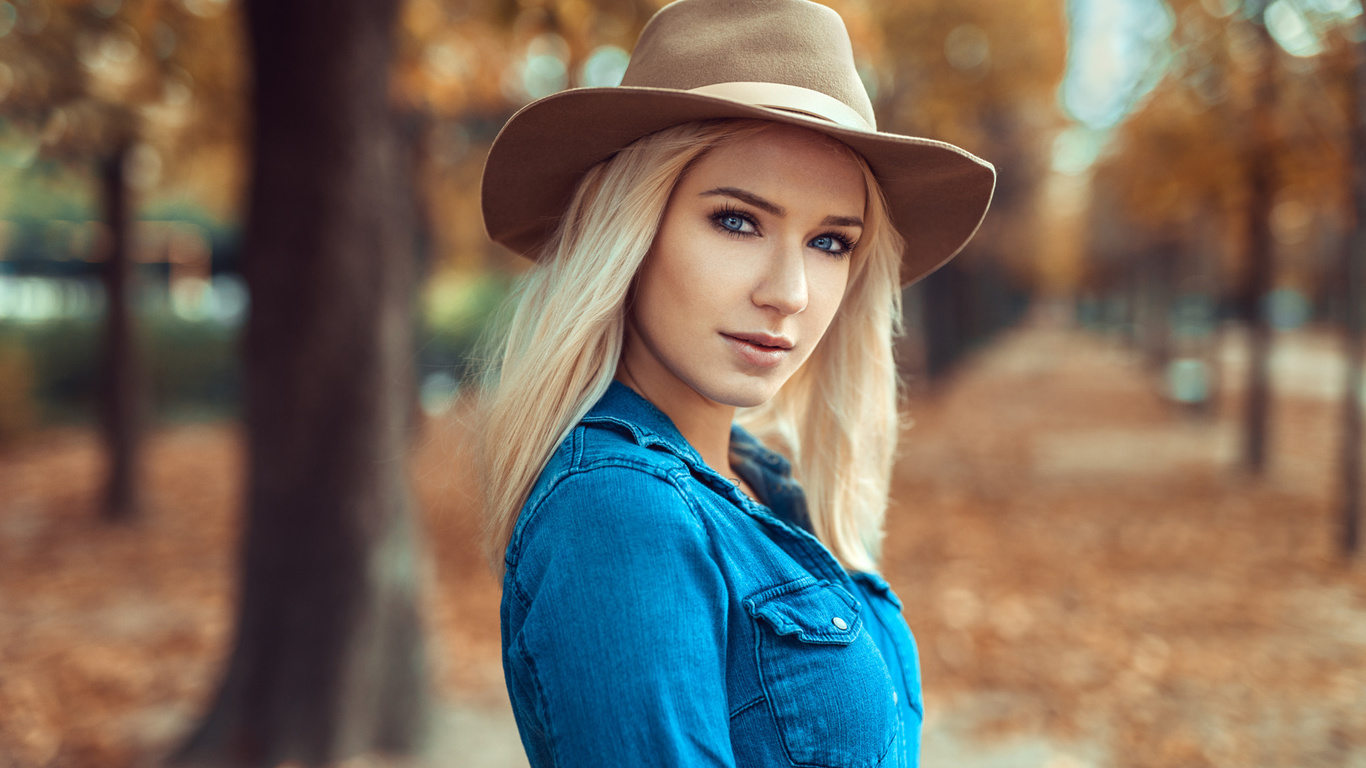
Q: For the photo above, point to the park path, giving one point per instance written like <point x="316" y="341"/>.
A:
<point x="1094" y="580"/>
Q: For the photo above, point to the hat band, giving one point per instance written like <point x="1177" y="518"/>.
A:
<point x="791" y="98"/>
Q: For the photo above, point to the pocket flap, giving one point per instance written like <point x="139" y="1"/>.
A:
<point x="816" y="612"/>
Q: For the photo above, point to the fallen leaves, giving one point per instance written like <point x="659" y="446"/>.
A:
<point x="1076" y="558"/>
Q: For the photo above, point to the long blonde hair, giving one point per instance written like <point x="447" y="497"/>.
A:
<point x="836" y="418"/>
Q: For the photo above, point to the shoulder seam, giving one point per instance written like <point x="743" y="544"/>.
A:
<point x="671" y="476"/>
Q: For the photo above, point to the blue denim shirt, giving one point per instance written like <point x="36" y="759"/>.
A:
<point x="655" y="615"/>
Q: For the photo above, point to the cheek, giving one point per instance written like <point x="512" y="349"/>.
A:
<point x="670" y="306"/>
<point x="651" y="300"/>
<point x="690" y="278"/>
<point x="825" y="301"/>
<point x="693" y="257"/>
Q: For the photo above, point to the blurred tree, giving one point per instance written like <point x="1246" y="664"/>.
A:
<point x="1354" y="291"/>
<point x="466" y="67"/>
<point x="60" y="91"/>
<point x="328" y="657"/>
<point x="123" y="389"/>
<point x="1231" y="156"/>
<point x="99" y="84"/>
<point x="1257" y="279"/>
<point x="962" y="72"/>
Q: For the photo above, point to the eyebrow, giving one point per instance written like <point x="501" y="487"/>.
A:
<point x="778" y="210"/>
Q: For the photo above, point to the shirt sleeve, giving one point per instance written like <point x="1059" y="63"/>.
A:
<point x="625" y="630"/>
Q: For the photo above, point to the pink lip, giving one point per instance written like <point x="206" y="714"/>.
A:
<point x="764" y="339"/>
<point x="758" y="354"/>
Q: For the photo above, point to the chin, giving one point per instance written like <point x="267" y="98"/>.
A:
<point x="747" y="392"/>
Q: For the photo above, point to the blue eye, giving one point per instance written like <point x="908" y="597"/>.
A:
<point x="734" y="222"/>
<point x="832" y="244"/>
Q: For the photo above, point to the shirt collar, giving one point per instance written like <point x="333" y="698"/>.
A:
<point x="648" y="426"/>
<point x="768" y="473"/>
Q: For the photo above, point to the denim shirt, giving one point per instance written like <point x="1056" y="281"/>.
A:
<point x="655" y="615"/>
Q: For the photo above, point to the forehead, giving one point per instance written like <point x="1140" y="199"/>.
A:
<point x="782" y="158"/>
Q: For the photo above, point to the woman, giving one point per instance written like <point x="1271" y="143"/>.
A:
<point x="686" y="582"/>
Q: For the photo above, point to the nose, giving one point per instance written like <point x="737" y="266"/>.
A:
<point x="783" y="284"/>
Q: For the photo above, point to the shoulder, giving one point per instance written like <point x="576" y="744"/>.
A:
<point x="601" y="484"/>
<point x="609" y="523"/>
<point x="603" y="461"/>
<point x="614" y="488"/>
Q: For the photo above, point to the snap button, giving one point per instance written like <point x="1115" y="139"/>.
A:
<point x="838" y="622"/>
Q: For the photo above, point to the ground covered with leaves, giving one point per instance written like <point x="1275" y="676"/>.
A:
<point x="1082" y="562"/>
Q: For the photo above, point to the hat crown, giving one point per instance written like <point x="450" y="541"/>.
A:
<point x="695" y="43"/>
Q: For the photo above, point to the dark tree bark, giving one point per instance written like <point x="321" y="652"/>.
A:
<point x="948" y="311"/>
<point x="911" y="355"/>
<point x="121" y="406"/>
<point x="1207" y="282"/>
<point x="1257" y="282"/>
<point x="1354" y="273"/>
<point x="1157" y="293"/>
<point x="328" y="657"/>
<point x="415" y="128"/>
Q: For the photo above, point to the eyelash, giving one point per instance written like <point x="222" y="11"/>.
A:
<point x="727" y="212"/>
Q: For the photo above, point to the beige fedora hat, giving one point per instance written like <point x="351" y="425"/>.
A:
<point x="789" y="61"/>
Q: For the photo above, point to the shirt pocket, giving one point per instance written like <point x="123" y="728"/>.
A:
<point x="827" y="686"/>
<point x="885" y="603"/>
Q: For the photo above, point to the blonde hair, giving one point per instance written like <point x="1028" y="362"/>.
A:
<point x="836" y="418"/>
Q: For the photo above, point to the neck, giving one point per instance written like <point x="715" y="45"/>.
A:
<point x="703" y="422"/>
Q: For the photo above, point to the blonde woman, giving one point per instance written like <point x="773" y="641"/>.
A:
<point x="689" y="429"/>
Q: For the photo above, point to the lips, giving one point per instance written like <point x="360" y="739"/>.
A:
<point x="763" y="340"/>
<point x="758" y="350"/>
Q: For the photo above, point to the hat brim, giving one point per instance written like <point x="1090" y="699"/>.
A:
<point x="937" y="193"/>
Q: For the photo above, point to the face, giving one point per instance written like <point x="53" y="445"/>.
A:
<point x="747" y="270"/>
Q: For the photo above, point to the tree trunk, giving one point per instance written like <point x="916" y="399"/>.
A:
<point x="415" y="128"/>
<point x="948" y="309"/>
<point x="1212" y="342"/>
<point x="1159" y="294"/>
<point x="1351" y="396"/>
<point x="1257" y="407"/>
<point x="1354" y="272"/>
<point x="121" y="383"/>
<point x="911" y="355"/>
<point x="328" y="657"/>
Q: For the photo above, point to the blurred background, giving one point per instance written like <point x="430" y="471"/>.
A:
<point x="1125" y="519"/>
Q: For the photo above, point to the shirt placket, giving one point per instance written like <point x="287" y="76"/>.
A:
<point x="804" y="547"/>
